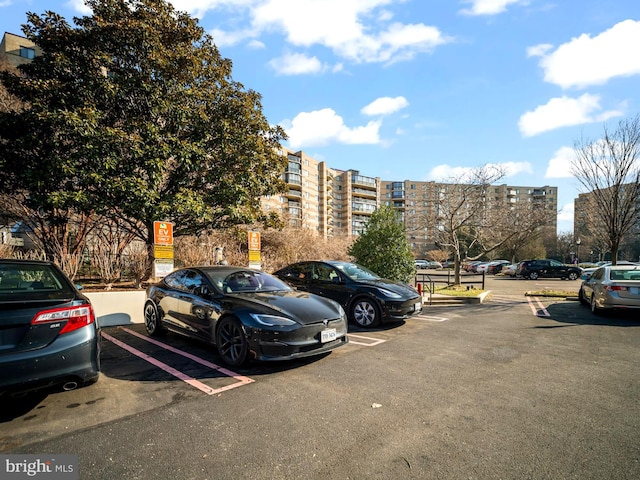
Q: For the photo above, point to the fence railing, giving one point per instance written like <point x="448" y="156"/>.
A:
<point x="426" y="282"/>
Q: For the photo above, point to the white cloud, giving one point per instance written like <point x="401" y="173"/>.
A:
<point x="79" y="6"/>
<point x="296" y="64"/>
<point x="355" y="29"/>
<point x="560" y="165"/>
<point x="489" y="7"/>
<point x="566" y="213"/>
<point x="446" y="172"/>
<point x="564" y="112"/>
<point x="539" y="50"/>
<point x="321" y="127"/>
<point x="385" y="106"/>
<point x="595" y="60"/>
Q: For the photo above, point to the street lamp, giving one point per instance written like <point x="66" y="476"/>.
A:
<point x="578" y="242"/>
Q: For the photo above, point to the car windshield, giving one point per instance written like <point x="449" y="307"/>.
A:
<point x="246" y="281"/>
<point x="355" y="272"/>
<point x="27" y="279"/>
<point x="626" y="275"/>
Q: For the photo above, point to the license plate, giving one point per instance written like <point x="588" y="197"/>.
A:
<point x="418" y="306"/>
<point x="328" y="335"/>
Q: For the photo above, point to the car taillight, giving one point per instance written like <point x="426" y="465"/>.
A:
<point x="76" y="317"/>
<point x="614" y="288"/>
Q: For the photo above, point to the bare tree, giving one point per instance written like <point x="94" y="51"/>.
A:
<point x="469" y="220"/>
<point x="609" y="171"/>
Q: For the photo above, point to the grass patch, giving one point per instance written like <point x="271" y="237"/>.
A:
<point x="553" y="293"/>
<point x="458" y="291"/>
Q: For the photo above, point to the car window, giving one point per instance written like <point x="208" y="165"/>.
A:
<point x="324" y="273"/>
<point x="24" y="278"/>
<point x="174" y="280"/>
<point x="298" y="270"/>
<point x="555" y="263"/>
<point x="356" y="272"/>
<point x="598" y="274"/>
<point x="192" y="280"/>
<point x="252" y="281"/>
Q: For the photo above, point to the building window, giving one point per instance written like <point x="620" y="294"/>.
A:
<point x="27" y="52"/>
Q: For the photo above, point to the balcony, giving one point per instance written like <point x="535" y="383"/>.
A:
<point x="362" y="180"/>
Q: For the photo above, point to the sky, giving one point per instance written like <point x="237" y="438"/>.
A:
<point x="427" y="89"/>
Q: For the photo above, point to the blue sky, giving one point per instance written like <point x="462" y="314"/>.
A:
<point x="424" y="89"/>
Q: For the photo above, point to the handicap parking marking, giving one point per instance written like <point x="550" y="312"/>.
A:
<point x="241" y="380"/>
<point x="373" y="341"/>
<point x="541" y="310"/>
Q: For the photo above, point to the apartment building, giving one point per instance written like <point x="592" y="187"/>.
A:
<point x="340" y="202"/>
<point x="17" y="50"/>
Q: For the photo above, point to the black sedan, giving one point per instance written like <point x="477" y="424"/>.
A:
<point x="246" y="313"/>
<point x="367" y="298"/>
<point x="48" y="332"/>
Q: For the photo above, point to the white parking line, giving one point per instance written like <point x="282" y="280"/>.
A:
<point x="240" y="379"/>
<point x="428" y="318"/>
<point x="541" y="311"/>
<point x="374" y="341"/>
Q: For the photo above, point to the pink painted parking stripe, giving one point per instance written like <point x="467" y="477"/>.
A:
<point x="240" y="379"/>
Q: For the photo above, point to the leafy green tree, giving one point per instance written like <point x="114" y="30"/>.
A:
<point x="133" y="114"/>
<point x="383" y="247"/>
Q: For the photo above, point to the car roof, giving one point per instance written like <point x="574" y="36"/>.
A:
<point x="25" y="262"/>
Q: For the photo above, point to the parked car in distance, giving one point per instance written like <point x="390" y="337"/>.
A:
<point x="245" y="313"/>
<point x="612" y="287"/>
<point x="534" y="269"/>
<point x="587" y="272"/>
<point x="367" y="298"/>
<point x="496" y="266"/>
<point x="509" y="270"/>
<point x="48" y="331"/>
<point x="422" y="264"/>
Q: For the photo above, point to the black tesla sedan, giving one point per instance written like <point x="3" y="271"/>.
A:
<point x="247" y="314"/>
<point x="48" y="332"/>
<point x="367" y="298"/>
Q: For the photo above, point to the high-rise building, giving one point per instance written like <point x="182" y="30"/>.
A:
<point x="17" y="50"/>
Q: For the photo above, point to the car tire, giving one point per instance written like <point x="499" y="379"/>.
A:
<point x="594" y="306"/>
<point x="533" y="275"/>
<point x="365" y="312"/>
<point x="231" y="342"/>
<point x="152" y="321"/>
<point x="581" y="298"/>
<point x="573" y="276"/>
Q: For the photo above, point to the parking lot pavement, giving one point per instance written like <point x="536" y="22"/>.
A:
<point x="495" y="390"/>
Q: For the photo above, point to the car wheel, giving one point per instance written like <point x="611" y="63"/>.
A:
<point x="152" y="320"/>
<point x="232" y="342"/>
<point x="573" y="276"/>
<point x="594" y="305"/>
<point x="581" y="298"/>
<point x="533" y="275"/>
<point x="365" y="313"/>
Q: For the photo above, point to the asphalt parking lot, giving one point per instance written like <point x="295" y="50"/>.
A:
<point x="518" y="387"/>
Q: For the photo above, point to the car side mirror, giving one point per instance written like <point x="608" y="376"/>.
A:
<point x="202" y="291"/>
<point x="337" y="280"/>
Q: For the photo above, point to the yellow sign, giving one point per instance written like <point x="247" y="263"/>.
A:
<point x="163" y="251"/>
<point x="254" y="255"/>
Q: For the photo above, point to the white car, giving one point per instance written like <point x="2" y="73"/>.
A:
<point x="509" y="270"/>
<point x="587" y="272"/>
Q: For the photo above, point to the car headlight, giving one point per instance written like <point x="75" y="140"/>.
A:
<point x="389" y="293"/>
<point x="271" y="320"/>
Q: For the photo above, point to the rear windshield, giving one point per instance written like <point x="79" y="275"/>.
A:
<point x="16" y="278"/>
<point x="627" y="275"/>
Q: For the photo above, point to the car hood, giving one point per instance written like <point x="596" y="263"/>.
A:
<point x="395" y="286"/>
<point x="305" y="308"/>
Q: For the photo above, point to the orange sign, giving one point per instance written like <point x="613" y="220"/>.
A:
<point x="254" y="240"/>
<point x="163" y="233"/>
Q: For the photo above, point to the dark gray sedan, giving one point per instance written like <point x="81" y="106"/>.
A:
<point x="245" y="313"/>
<point x="48" y="333"/>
